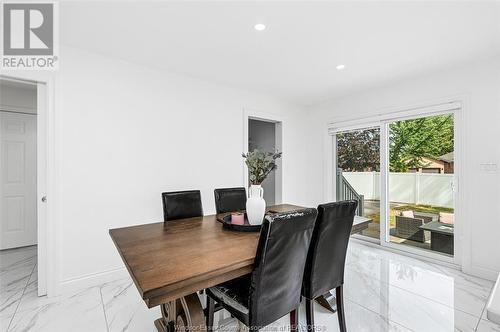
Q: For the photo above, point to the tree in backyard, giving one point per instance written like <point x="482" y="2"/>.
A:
<point x="359" y="150"/>
<point x="410" y="140"/>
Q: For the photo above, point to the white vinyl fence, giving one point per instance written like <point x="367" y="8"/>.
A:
<point x="412" y="188"/>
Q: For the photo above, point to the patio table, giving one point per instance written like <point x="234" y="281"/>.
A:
<point x="441" y="236"/>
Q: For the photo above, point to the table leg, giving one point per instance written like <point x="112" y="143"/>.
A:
<point x="184" y="314"/>
<point x="328" y="301"/>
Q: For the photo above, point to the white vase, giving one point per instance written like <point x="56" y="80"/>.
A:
<point x="256" y="205"/>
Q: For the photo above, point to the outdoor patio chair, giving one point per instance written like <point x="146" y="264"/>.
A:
<point x="409" y="228"/>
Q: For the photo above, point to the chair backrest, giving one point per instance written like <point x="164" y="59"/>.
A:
<point x="181" y="204"/>
<point x="447" y="218"/>
<point x="279" y="265"/>
<point x="230" y="199"/>
<point x="326" y="258"/>
<point x="408" y="214"/>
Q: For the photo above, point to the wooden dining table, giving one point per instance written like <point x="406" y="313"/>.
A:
<point x="170" y="262"/>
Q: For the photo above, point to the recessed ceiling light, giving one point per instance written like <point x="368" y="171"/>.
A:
<point x="340" y="67"/>
<point x="259" y="27"/>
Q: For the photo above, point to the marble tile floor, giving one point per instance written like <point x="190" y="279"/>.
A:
<point x="384" y="291"/>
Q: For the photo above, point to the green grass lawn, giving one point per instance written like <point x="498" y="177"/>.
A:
<point x="417" y="208"/>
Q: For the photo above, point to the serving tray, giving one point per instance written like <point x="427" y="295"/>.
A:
<point x="246" y="227"/>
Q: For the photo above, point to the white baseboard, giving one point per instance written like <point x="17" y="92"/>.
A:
<point x="74" y="285"/>
<point x="482" y="272"/>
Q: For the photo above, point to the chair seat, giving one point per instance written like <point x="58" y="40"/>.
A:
<point x="233" y="296"/>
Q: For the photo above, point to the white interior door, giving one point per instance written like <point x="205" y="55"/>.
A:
<point x="18" y="208"/>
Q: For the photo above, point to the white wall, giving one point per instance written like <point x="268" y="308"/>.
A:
<point x="478" y="86"/>
<point x="126" y="133"/>
<point x="15" y="97"/>
<point x="129" y="133"/>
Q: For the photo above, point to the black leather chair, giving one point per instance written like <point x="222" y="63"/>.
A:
<point x="273" y="289"/>
<point x="324" y="269"/>
<point x="230" y="199"/>
<point x="181" y="204"/>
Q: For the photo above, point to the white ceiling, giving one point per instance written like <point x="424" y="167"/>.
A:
<point x="295" y="57"/>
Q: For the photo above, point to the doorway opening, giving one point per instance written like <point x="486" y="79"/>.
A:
<point x="266" y="135"/>
<point x="22" y="183"/>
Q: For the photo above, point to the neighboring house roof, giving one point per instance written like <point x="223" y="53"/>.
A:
<point x="430" y="162"/>
<point x="449" y="157"/>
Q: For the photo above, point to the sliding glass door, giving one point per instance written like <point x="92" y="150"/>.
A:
<point x="421" y="182"/>
<point x="358" y="173"/>
<point x="401" y="170"/>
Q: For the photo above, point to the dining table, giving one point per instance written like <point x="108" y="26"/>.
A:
<point x="171" y="262"/>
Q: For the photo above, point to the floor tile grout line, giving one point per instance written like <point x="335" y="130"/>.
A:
<point x="421" y="296"/>
<point x="378" y="314"/>
<point x="104" y="310"/>
<point x="22" y="295"/>
<point x="481" y="318"/>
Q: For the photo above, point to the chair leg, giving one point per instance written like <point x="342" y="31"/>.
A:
<point x="243" y="328"/>
<point x="294" y="320"/>
<point x="310" y="315"/>
<point x="210" y="313"/>
<point x="340" y="308"/>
